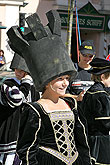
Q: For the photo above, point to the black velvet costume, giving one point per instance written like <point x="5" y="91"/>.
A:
<point x="96" y="106"/>
<point x="56" y="138"/>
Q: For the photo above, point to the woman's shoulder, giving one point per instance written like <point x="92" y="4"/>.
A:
<point x="32" y="108"/>
<point x="71" y="102"/>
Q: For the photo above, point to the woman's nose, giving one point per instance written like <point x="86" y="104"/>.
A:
<point x="65" y="82"/>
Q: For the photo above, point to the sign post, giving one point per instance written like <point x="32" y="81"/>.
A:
<point x="69" y="31"/>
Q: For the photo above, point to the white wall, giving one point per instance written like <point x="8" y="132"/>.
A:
<point x="30" y="7"/>
<point x="11" y="19"/>
<point x="43" y="7"/>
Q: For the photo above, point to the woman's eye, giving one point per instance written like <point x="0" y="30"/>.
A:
<point x="60" y="78"/>
<point x="67" y="78"/>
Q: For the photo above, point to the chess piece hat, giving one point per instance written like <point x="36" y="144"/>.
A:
<point x="18" y="62"/>
<point x="43" y="50"/>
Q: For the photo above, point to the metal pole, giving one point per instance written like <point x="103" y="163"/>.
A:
<point x="69" y="31"/>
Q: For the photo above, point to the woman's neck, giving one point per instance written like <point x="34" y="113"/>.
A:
<point x="84" y="66"/>
<point x="49" y="96"/>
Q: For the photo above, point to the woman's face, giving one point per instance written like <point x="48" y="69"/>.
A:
<point x="1" y="53"/>
<point x="59" y="85"/>
<point x="19" y="74"/>
<point x="86" y="58"/>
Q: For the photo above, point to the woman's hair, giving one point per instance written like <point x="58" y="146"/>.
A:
<point x="97" y="78"/>
<point x="2" y="52"/>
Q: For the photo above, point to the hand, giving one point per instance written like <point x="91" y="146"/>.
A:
<point x="80" y="96"/>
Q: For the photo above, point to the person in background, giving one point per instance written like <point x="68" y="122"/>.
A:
<point x="2" y="58"/>
<point x="83" y="80"/>
<point x="21" y="88"/>
<point x="96" y="108"/>
<point x="13" y="93"/>
<point x="57" y="136"/>
<point x="78" y="87"/>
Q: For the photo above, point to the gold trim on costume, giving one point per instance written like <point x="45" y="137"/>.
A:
<point x="28" y="150"/>
<point x="102" y="118"/>
<point x="68" y="161"/>
<point x="63" y="126"/>
<point x="96" y="92"/>
<point x="97" y="162"/>
<point x="101" y="67"/>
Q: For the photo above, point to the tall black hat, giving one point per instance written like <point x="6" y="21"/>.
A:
<point x="42" y="48"/>
<point x="18" y="62"/>
<point x="87" y="47"/>
<point x="99" y="66"/>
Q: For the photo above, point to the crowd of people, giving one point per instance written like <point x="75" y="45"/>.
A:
<point x="68" y="124"/>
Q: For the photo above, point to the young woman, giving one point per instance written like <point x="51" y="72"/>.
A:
<point x="50" y="131"/>
<point x="96" y="107"/>
<point x="57" y="135"/>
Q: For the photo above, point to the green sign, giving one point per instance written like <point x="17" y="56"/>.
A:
<point x="91" y="22"/>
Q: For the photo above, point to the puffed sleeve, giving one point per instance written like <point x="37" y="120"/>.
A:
<point x="28" y="135"/>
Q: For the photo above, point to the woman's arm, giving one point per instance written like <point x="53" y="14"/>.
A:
<point x="28" y="135"/>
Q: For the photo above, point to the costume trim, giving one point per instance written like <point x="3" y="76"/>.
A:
<point x="96" y="92"/>
<point x="85" y="138"/>
<point x="97" y="162"/>
<point x="63" y="126"/>
<point x="101" y="163"/>
<point x="75" y="107"/>
<point x="60" y="156"/>
<point x="27" y="154"/>
<point x="8" y="148"/>
<point x="102" y="118"/>
<point x="101" y="67"/>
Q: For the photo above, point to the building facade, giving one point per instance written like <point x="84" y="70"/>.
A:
<point x="93" y="16"/>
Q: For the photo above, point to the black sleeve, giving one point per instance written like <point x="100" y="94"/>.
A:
<point x="29" y="127"/>
<point x="102" y="114"/>
<point x="81" y="140"/>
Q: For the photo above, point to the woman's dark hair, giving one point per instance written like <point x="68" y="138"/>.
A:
<point x="2" y="52"/>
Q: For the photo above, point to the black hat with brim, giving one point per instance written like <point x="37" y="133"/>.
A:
<point x="99" y="66"/>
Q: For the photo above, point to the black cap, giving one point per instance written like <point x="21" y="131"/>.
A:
<point x="99" y="66"/>
<point x="87" y="47"/>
